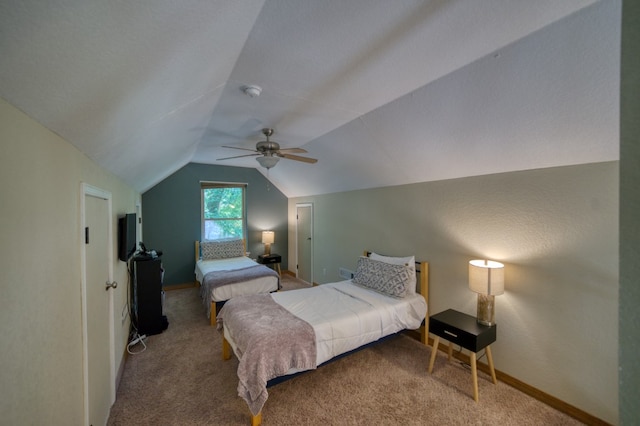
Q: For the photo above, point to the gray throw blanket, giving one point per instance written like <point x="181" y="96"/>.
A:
<point x="269" y="340"/>
<point x="216" y="279"/>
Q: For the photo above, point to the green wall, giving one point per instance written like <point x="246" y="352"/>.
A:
<point x="171" y="216"/>
<point x="629" y="213"/>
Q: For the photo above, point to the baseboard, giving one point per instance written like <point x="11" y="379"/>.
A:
<point x="294" y="275"/>
<point x="180" y="286"/>
<point x="120" y="372"/>
<point x="533" y="392"/>
<point x="196" y="284"/>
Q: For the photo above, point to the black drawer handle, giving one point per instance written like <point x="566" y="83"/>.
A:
<point x="450" y="333"/>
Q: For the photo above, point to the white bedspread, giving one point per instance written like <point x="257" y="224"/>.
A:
<point x="345" y="316"/>
<point x="226" y="292"/>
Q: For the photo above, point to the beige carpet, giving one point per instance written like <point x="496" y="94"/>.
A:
<point x="180" y="379"/>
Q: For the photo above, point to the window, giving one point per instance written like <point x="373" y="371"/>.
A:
<point x="223" y="210"/>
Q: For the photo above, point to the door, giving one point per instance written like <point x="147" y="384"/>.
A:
<point x="98" y="309"/>
<point x="304" y="242"/>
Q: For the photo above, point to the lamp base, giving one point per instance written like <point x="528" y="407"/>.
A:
<point x="486" y="309"/>
<point x="267" y="249"/>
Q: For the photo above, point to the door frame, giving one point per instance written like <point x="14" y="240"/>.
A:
<point x="92" y="191"/>
<point x="310" y="205"/>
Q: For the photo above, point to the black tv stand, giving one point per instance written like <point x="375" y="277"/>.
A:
<point x="146" y="295"/>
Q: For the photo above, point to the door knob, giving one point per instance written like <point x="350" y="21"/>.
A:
<point x="111" y="285"/>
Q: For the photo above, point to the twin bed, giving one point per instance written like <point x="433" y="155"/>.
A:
<point x="223" y="271"/>
<point x="279" y="334"/>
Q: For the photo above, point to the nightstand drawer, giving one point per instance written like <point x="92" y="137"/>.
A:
<point x="462" y="329"/>
<point x="272" y="258"/>
<point x="452" y="334"/>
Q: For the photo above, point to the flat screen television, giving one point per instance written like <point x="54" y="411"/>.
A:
<point x="127" y="236"/>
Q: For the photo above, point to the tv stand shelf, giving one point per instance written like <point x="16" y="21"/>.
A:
<point x="146" y="276"/>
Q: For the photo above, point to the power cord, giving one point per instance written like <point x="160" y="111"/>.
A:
<point x="467" y="365"/>
<point x="136" y="338"/>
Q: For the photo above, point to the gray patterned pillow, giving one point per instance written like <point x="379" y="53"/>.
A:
<point x="221" y="249"/>
<point x="385" y="278"/>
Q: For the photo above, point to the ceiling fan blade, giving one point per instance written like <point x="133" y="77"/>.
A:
<point x="293" y="151"/>
<point x="238" y="156"/>
<point x="235" y="147"/>
<point x="298" y="158"/>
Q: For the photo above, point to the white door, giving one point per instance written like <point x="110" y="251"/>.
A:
<point x="98" y="309"/>
<point x="304" y="242"/>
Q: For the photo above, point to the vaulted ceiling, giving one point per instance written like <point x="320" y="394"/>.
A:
<point x="380" y="92"/>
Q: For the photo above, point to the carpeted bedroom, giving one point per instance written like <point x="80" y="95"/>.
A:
<point x="180" y="378"/>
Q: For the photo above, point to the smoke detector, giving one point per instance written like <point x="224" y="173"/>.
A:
<point x="252" y="90"/>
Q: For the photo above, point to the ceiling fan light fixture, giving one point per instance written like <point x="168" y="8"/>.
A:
<point x="252" y="90"/>
<point x="268" y="161"/>
<point x="271" y="153"/>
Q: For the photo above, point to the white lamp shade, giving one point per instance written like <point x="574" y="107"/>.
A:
<point x="486" y="277"/>
<point x="268" y="237"/>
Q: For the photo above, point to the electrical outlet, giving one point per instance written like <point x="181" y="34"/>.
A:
<point x="345" y="273"/>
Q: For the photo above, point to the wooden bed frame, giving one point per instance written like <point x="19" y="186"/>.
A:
<point x="215" y="306"/>
<point x="422" y="271"/>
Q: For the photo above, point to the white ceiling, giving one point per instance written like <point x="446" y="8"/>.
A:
<point x="381" y="93"/>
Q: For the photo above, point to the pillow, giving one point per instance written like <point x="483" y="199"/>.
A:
<point x="386" y="278"/>
<point x="221" y="249"/>
<point x="409" y="261"/>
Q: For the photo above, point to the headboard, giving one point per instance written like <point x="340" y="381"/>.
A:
<point x="221" y="249"/>
<point x="422" y="286"/>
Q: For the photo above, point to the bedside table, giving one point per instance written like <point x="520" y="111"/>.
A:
<point x="271" y="259"/>
<point x="463" y="330"/>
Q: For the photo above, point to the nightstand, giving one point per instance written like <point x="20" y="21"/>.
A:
<point x="271" y="259"/>
<point x="463" y="330"/>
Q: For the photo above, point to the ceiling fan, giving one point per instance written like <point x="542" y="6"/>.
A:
<point x="270" y="152"/>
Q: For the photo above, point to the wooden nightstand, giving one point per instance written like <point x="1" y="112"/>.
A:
<point x="271" y="259"/>
<point x="463" y="330"/>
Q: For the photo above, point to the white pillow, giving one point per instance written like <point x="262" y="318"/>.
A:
<point x="409" y="261"/>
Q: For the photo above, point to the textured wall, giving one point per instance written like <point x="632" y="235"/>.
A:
<point x="555" y="229"/>
<point x="40" y="272"/>
<point x="171" y="216"/>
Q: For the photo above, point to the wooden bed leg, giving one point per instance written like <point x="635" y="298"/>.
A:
<point x="257" y="419"/>
<point x="434" y="350"/>
<point x="213" y="314"/>
<point x="226" y="349"/>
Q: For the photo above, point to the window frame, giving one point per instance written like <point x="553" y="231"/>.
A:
<point x="205" y="185"/>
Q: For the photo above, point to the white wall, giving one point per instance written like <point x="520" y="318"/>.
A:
<point x="40" y="308"/>
<point x="555" y="229"/>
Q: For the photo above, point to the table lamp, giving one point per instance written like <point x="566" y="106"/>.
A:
<point x="267" y="239"/>
<point x="486" y="278"/>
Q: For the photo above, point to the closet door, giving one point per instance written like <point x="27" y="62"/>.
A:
<point x="304" y="242"/>
<point x="98" y="293"/>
